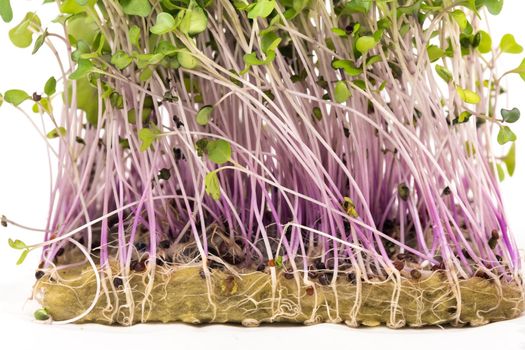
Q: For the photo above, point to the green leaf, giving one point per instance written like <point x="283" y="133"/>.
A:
<point x="435" y="53"/>
<point x="460" y="18"/>
<point x="17" y="244"/>
<point x="165" y="23"/>
<point x="6" y="12"/>
<point x="219" y="151"/>
<point x="510" y="115"/>
<point x="22" y="35"/>
<point x="186" y="59"/>
<point x="140" y="8"/>
<point x="87" y="98"/>
<point x="74" y="6"/>
<point x="339" y="32"/>
<point x="505" y="135"/>
<point x="468" y="96"/>
<point x="41" y="315"/>
<point x="1" y="100"/>
<point x="134" y="35"/>
<point x="348" y="66"/>
<point x="212" y="185"/>
<point x="341" y="92"/>
<point x="444" y="73"/>
<point x="501" y="173"/>
<point x="494" y="6"/>
<point x="508" y="44"/>
<point x="56" y="132"/>
<point x="121" y="59"/>
<point x="16" y="97"/>
<point x="358" y="6"/>
<point x="194" y="20"/>
<point x="84" y="67"/>
<point x="203" y="115"/>
<point x="147" y="136"/>
<point x="269" y="42"/>
<point x="262" y="8"/>
<point x="279" y="261"/>
<point x="520" y="70"/>
<point x="50" y="87"/>
<point x="510" y="160"/>
<point x="22" y="257"/>
<point x="365" y="44"/>
<point x="485" y="43"/>
<point x="251" y="59"/>
<point x="39" y="42"/>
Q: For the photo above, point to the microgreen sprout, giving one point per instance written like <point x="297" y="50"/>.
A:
<point x="275" y="160"/>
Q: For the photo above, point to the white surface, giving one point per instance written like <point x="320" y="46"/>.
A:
<point x="24" y="188"/>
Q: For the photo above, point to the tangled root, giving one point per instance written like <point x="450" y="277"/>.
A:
<point x="182" y="294"/>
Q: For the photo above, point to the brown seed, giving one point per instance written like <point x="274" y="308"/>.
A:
<point x="140" y="266"/>
<point x="39" y="274"/>
<point x="202" y="274"/>
<point x="495" y="234"/>
<point x="324" y="279"/>
<point x="319" y="265"/>
<point x="165" y="244"/>
<point x="401" y="256"/>
<point x="271" y="263"/>
<point x="351" y="277"/>
<point x="399" y="265"/>
<point x="415" y="274"/>
<point x="117" y="282"/>
<point x="309" y="291"/>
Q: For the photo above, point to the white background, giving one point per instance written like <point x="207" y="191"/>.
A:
<point x="24" y="189"/>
